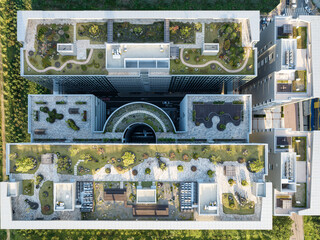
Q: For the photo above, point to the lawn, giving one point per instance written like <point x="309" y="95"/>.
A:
<point x="103" y="154"/>
<point x="301" y="85"/>
<point x="28" y="187"/>
<point x="126" y="32"/>
<point x="46" y="198"/>
<point x="302" y="41"/>
<point x="237" y="209"/>
<point x="300" y="147"/>
<point x="177" y="67"/>
<point x="300" y="195"/>
<point x="97" y="65"/>
<point x="146" y="184"/>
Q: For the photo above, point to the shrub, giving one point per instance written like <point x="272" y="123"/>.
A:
<point x="185" y="157"/>
<point x="180" y="168"/>
<point x="39" y="179"/>
<point x="94" y="29"/>
<point x="222" y="126"/>
<point x="221" y="113"/>
<point x="214" y="159"/>
<point x="87" y="157"/>
<point x="226" y="44"/>
<point x="132" y="197"/>
<point x="119" y="168"/>
<point x="25" y="164"/>
<point x="41" y="102"/>
<point x="84" y="68"/>
<point x="128" y="158"/>
<point x="255" y="165"/>
<point x="61" y="102"/>
<point x="72" y="125"/>
<point x="147" y="171"/>
<point x="100" y="55"/>
<point x="134" y="172"/>
<point x="163" y="166"/>
<point x="108" y="170"/>
<point x="210" y="173"/>
<point x="236" y="117"/>
<point x="44" y="109"/>
<point x="237" y="102"/>
<point x="193" y="168"/>
<point x="195" y="156"/>
<point x="64" y="163"/>
<point x="231" y="182"/>
<point x="244" y="183"/>
<point x="241" y="160"/>
<point x="80" y="103"/>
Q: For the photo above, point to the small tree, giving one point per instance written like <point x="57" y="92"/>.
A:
<point x="215" y="159"/>
<point x="128" y="158"/>
<point x="25" y="164"/>
<point x="108" y="170"/>
<point x="231" y="182"/>
<point x="244" y="183"/>
<point x="256" y="165"/>
<point x="147" y="171"/>
<point x="180" y="168"/>
<point x="195" y="156"/>
<point x="210" y="173"/>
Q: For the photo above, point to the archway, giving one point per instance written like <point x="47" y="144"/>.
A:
<point x="139" y="133"/>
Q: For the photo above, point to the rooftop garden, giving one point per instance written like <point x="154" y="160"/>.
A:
<point x="126" y="32"/>
<point x="240" y="206"/>
<point x="300" y="82"/>
<point x="96" y="64"/>
<point x="95" y="32"/>
<point x="28" y="187"/>
<point x="139" y="113"/>
<point x="125" y="157"/>
<point x="299" y="145"/>
<point x="301" y="35"/>
<point x="204" y="64"/>
<point x="46" y="198"/>
<point x="184" y="32"/>
<point x="227" y="112"/>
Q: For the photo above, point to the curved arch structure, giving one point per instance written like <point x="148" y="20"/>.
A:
<point x="144" y="111"/>
<point x="145" y="136"/>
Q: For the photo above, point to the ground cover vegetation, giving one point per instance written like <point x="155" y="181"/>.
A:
<point x="126" y="32"/>
<point x="95" y="32"/>
<point x="124" y="157"/>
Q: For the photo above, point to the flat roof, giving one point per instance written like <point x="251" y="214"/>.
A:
<point x="64" y="193"/>
<point x="252" y="16"/>
<point x="146" y="196"/>
<point x="208" y="199"/>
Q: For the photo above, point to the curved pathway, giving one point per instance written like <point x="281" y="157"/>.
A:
<point x="216" y="62"/>
<point x="62" y="66"/>
<point x="139" y="111"/>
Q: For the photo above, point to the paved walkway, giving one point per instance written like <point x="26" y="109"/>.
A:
<point x="297" y="227"/>
<point x="62" y="66"/>
<point x="216" y="62"/>
<point x="137" y="112"/>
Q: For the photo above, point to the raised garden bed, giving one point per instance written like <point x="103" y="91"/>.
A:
<point x="182" y="32"/>
<point x="227" y="112"/>
<point x="95" y="32"/>
<point x="232" y="206"/>
<point x="126" y="32"/>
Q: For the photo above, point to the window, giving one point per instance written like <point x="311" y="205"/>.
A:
<point x="266" y="60"/>
<point x="270" y="56"/>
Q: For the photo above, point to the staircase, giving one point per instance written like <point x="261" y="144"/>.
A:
<point x="110" y="31"/>
<point x="166" y="31"/>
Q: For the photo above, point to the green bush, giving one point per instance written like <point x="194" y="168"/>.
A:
<point x="244" y="183"/>
<point x="84" y="68"/>
<point x="25" y="164"/>
<point x="180" y="168"/>
<point x="64" y="163"/>
<point x="222" y="126"/>
<point x="128" y="159"/>
<point x="214" y="159"/>
<point x="210" y="173"/>
<point x="147" y="171"/>
<point x="236" y="118"/>
<point x="256" y="165"/>
<point x="231" y="182"/>
<point x="72" y="125"/>
<point x="108" y="170"/>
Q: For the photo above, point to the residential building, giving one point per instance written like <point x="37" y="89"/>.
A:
<point x="138" y="51"/>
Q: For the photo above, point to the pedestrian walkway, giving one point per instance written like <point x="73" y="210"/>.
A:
<point x="75" y="172"/>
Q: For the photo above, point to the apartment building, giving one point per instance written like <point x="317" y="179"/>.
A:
<point x="139" y="51"/>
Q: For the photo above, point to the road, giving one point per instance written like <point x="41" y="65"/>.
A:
<point x="297" y="227"/>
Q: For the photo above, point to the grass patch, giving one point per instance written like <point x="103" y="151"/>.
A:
<point x="146" y="184"/>
<point x="104" y="154"/>
<point x="236" y="208"/>
<point x="46" y="201"/>
<point x="28" y="187"/>
<point x="177" y="67"/>
<point x="301" y="85"/>
<point x="96" y="65"/>
<point x="302" y="41"/>
<point x="300" y="147"/>
<point x="300" y="195"/>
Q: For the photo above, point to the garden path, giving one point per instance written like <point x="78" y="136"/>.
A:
<point x="216" y="62"/>
<point x="62" y="66"/>
<point x="137" y="112"/>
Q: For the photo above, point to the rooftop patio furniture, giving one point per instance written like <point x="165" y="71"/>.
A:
<point x="40" y="131"/>
<point x="73" y="110"/>
<point x="230" y="171"/>
<point x="150" y="210"/>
